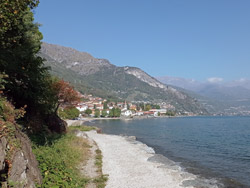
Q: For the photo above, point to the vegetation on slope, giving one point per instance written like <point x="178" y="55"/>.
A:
<point x="25" y="84"/>
<point x="112" y="82"/>
<point x="59" y="158"/>
<point x="62" y="156"/>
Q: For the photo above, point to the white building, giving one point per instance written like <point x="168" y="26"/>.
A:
<point x="82" y="108"/>
<point x="126" y="113"/>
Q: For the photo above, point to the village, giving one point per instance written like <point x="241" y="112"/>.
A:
<point x="91" y="106"/>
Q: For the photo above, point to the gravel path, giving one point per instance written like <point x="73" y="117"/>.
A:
<point x="126" y="162"/>
<point x="89" y="169"/>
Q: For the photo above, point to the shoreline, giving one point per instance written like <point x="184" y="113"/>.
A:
<point x="131" y="163"/>
<point x="205" y="178"/>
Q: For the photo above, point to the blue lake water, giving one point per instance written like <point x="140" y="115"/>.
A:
<point x="211" y="147"/>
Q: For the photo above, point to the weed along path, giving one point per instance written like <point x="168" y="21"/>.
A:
<point x="92" y="167"/>
<point x="126" y="163"/>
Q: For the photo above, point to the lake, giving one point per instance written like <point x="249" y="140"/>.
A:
<point x="214" y="148"/>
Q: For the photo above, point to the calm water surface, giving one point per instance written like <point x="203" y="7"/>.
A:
<point x="212" y="147"/>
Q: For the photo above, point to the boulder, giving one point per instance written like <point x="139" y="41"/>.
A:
<point x="56" y="124"/>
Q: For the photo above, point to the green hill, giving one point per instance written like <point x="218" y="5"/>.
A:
<point x="101" y="78"/>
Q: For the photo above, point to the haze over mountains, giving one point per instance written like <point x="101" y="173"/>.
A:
<point x="101" y="78"/>
<point x="223" y="97"/>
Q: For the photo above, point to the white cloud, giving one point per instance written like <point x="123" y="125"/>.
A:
<point x="242" y="80"/>
<point x="215" y="80"/>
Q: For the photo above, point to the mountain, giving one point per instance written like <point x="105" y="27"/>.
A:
<point x="188" y="84"/>
<point x="241" y="82"/>
<point x="101" y="78"/>
<point x="221" y="98"/>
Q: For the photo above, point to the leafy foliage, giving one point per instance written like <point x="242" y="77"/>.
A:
<point x="170" y="113"/>
<point x="104" y="113"/>
<point x="70" y="112"/>
<point x="97" y="113"/>
<point x="28" y="82"/>
<point x="58" y="161"/>
<point x="82" y="128"/>
<point x="65" y="93"/>
<point x="12" y="20"/>
<point x="88" y="111"/>
<point x="115" y="112"/>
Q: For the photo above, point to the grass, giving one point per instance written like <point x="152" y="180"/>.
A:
<point x="102" y="179"/>
<point x="59" y="158"/>
<point x="82" y="128"/>
<point x="98" y="159"/>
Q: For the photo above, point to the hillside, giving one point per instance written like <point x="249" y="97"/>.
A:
<point x="228" y="98"/>
<point x="101" y="78"/>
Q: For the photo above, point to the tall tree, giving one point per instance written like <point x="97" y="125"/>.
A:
<point x="97" y="112"/>
<point x="29" y="82"/>
<point x="104" y="113"/>
<point x="20" y="40"/>
<point x="12" y="21"/>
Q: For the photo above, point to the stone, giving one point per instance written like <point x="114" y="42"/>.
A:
<point x="56" y="124"/>
<point x="22" y="168"/>
<point x="3" y="144"/>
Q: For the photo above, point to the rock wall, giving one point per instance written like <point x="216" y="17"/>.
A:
<point x="20" y="169"/>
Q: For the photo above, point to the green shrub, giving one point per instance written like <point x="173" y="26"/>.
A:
<point x="82" y="128"/>
<point x="58" y="161"/>
<point x="69" y="113"/>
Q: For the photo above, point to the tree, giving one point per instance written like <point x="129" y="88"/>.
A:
<point x="170" y="113"/>
<point x="88" y="111"/>
<point x="70" y="112"/>
<point x="111" y="113"/>
<point x="115" y="112"/>
<point x="128" y="106"/>
<point x="66" y="95"/>
<point x="148" y="107"/>
<point x="28" y="82"/>
<point x="12" y="21"/>
<point x="97" y="112"/>
<point x="104" y="113"/>
<point x="157" y="106"/>
<point x="138" y="107"/>
<point x="105" y="105"/>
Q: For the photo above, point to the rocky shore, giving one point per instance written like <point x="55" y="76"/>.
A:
<point x="129" y="163"/>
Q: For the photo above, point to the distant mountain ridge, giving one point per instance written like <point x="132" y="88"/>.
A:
<point x="223" y="97"/>
<point x="101" y="78"/>
<point x="80" y="62"/>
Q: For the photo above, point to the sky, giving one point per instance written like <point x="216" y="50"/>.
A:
<point x="195" y="39"/>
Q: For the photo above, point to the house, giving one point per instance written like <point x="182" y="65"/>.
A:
<point x="148" y="113"/>
<point x="126" y="113"/>
<point x="99" y="106"/>
<point x="132" y="107"/>
<point x="161" y="111"/>
<point x="90" y="106"/>
<point x="139" y="113"/>
<point x="120" y="104"/>
<point x="82" y="107"/>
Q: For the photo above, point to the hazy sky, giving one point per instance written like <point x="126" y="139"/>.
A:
<point x="184" y="38"/>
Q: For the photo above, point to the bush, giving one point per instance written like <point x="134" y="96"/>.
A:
<point x="88" y="112"/>
<point x="58" y="160"/>
<point x="69" y="113"/>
